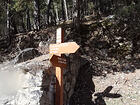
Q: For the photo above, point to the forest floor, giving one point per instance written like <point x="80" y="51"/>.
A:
<point x="104" y="80"/>
<point x="95" y="85"/>
<point x="127" y="85"/>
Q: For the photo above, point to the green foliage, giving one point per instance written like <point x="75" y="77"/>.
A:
<point x="22" y="5"/>
<point x="124" y="49"/>
<point x="127" y="11"/>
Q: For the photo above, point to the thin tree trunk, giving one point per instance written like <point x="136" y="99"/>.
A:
<point x="8" y="18"/>
<point x="23" y="25"/>
<point x="86" y="7"/>
<point x="74" y="11"/>
<point x="36" y="15"/>
<point x="48" y="11"/>
<point x="6" y="43"/>
<point x="14" y="26"/>
<point x="28" y="20"/>
<point x="56" y="12"/>
<point x="77" y="14"/>
<point x="64" y="10"/>
<point x="53" y="16"/>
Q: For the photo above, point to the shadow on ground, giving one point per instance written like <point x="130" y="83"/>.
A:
<point x="106" y="93"/>
<point x="85" y="88"/>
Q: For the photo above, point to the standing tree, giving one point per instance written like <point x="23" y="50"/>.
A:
<point x="64" y="10"/>
<point x="77" y="13"/>
<point x="8" y="18"/>
<point x="48" y="10"/>
<point x="28" y="19"/>
<point x="36" y="14"/>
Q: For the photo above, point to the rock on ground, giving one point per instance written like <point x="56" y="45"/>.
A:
<point x="21" y="84"/>
<point x="31" y="82"/>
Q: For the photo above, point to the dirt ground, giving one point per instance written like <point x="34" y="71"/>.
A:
<point x="98" y="84"/>
<point x="119" y="88"/>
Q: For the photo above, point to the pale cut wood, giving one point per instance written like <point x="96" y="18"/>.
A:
<point x="59" y="71"/>
<point x="62" y="48"/>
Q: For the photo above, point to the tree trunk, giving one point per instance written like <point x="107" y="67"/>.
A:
<point x="56" y="12"/>
<point x="23" y="25"/>
<point x="85" y="7"/>
<point x="14" y="26"/>
<point x="28" y="20"/>
<point x="64" y="10"/>
<point x="74" y="12"/>
<point x="48" y="11"/>
<point x="77" y="13"/>
<point x="8" y="18"/>
<point x="36" y="15"/>
<point x="53" y="17"/>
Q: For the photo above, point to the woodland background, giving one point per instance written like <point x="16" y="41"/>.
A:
<point x="111" y="25"/>
<point x="108" y="32"/>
